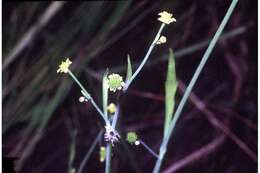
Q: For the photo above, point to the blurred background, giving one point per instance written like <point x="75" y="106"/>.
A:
<point x="46" y="129"/>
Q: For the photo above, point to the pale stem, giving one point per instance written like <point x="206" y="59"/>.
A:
<point x="149" y="149"/>
<point x="108" y="158"/>
<point x="145" y="58"/>
<point x="90" y="98"/>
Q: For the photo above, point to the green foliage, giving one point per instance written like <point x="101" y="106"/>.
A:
<point x="105" y="93"/>
<point x="170" y="91"/>
<point x="129" y="68"/>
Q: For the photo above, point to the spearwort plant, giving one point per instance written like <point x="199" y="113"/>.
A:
<point x="114" y="82"/>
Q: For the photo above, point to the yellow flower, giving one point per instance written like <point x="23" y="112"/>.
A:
<point x="166" y="17"/>
<point x="111" y="108"/>
<point x="161" y="40"/>
<point x="64" y="66"/>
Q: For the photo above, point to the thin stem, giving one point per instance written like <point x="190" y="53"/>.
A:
<point x="88" y="96"/>
<point x="145" y="58"/>
<point x="115" y="117"/>
<point x="90" y="151"/>
<point x="149" y="149"/>
<point x="205" y="57"/>
<point x="108" y="158"/>
<point x="100" y="112"/>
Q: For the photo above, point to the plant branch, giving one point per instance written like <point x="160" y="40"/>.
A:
<point x="108" y="158"/>
<point x="149" y="149"/>
<point x="86" y="94"/>
<point x="145" y="58"/>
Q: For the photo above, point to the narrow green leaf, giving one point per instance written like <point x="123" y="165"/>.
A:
<point x="129" y="68"/>
<point x="170" y="91"/>
<point x="105" y="93"/>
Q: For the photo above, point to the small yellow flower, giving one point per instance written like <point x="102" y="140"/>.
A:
<point x="111" y="108"/>
<point x="161" y="40"/>
<point x="166" y="17"/>
<point x="115" y="82"/>
<point x="102" y="153"/>
<point x="64" y="66"/>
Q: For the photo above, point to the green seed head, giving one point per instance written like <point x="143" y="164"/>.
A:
<point x="131" y="137"/>
<point x="115" y="82"/>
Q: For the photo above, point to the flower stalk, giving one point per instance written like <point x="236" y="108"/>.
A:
<point x="149" y="149"/>
<point x="128" y="83"/>
<point x="108" y="158"/>
<point x="87" y="95"/>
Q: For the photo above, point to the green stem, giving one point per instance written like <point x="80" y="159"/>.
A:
<point x="108" y="158"/>
<point x="163" y="147"/>
<point x="148" y="149"/>
<point x="86" y="94"/>
<point x="145" y="58"/>
<point x="115" y="117"/>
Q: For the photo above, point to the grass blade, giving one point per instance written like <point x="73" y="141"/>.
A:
<point x="105" y="93"/>
<point x="170" y="91"/>
<point x="129" y="68"/>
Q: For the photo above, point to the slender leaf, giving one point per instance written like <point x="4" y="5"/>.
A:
<point x="105" y="93"/>
<point x="129" y="68"/>
<point x="170" y="91"/>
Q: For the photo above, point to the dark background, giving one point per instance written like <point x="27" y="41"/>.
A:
<point x="41" y="108"/>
